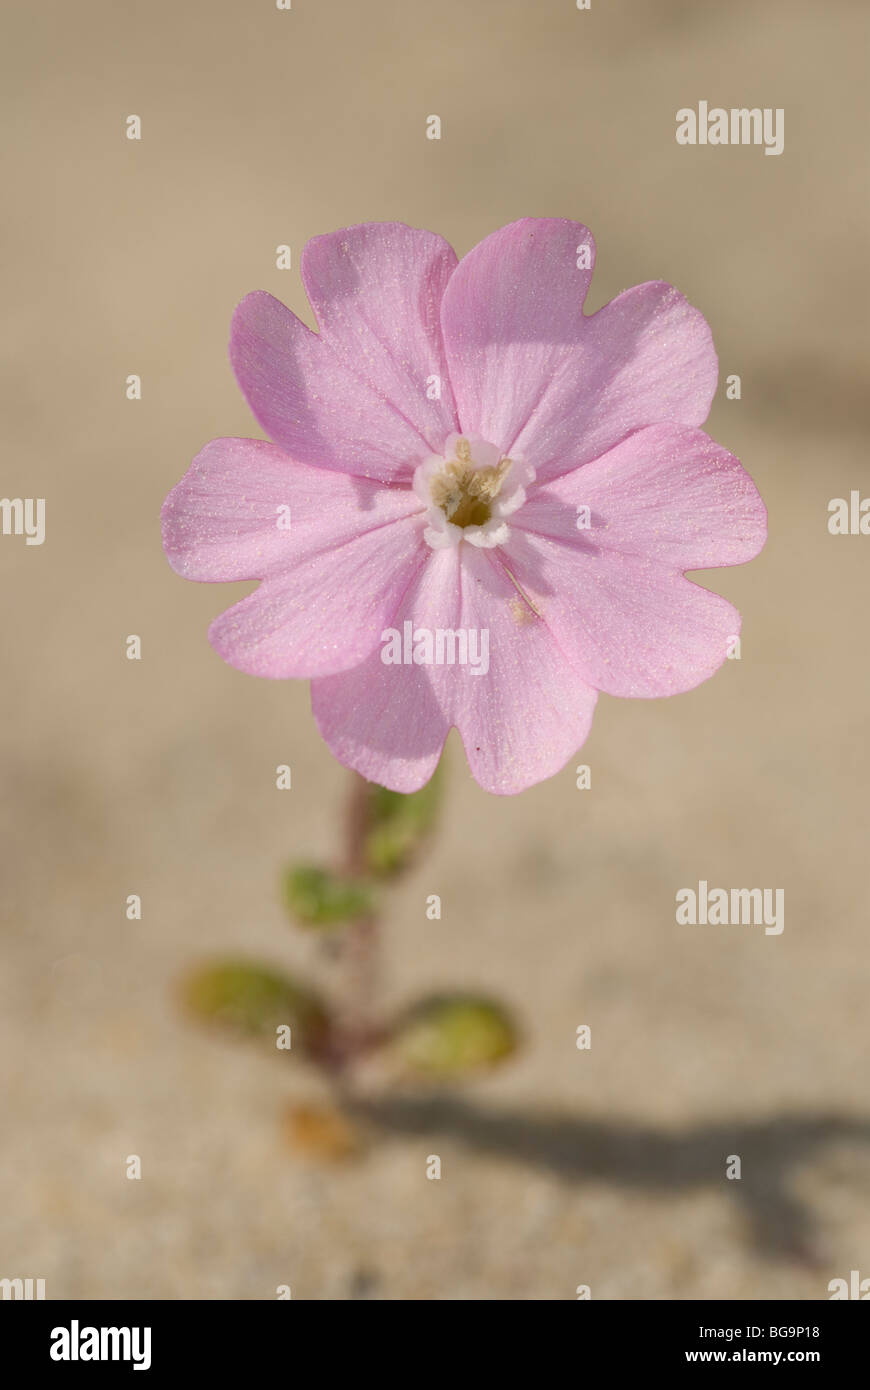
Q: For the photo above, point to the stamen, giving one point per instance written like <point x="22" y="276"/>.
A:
<point x="463" y="492"/>
<point x="468" y="492"/>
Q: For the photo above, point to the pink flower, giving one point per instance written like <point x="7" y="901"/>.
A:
<point x="461" y="451"/>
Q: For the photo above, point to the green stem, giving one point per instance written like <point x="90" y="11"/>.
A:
<point x="359" y="964"/>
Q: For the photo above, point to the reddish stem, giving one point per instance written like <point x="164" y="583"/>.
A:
<point x="357" y="1029"/>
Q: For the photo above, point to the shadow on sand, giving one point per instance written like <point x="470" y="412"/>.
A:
<point x="638" y="1156"/>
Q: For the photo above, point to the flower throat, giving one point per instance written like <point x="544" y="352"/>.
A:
<point x="464" y="492"/>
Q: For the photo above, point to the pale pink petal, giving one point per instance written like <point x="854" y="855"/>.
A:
<point x="524" y="719"/>
<point x="327" y="612"/>
<point x="360" y="396"/>
<point x="330" y="582"/>
<point x="631" y="626"/>
<point x="227" y="518"/>
<point x="668" y="493"/>
<point x="512" y="312"/>
<point x="647" y="356"/>
<point x="535" y="376"/>
<point x="376" y="292"/>
<point x="520" y="720"/>
<point x="388" y="722"/>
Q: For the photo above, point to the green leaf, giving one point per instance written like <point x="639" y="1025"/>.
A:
<point x="398" y="823"/>
<point x="446" y="1035"/>
<point x="255" y="1000"/>
<point x="322" y="898"/>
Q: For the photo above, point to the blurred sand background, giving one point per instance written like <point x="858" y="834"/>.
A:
<point x="606" y="1167"/>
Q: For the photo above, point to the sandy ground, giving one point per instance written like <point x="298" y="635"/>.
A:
<point x="605" y="1167"/>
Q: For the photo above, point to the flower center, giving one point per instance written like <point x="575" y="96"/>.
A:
<point x="465" y="490"/>
<point x="469" y="491"/>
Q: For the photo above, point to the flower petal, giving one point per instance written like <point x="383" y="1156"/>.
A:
<point x="523" y="720"/>
<point x="630" y="625"/>
<point x="330" y="582"/>
<point x="376" y="292"/>
<point x="387" y="722"/>
<point x="356" y="396"/>
<point x="520" y="720"/>
<point x="511" y="313"/>
<point x="536" y="376"/>
<point x="667" y="492"/>
<point x="327" y="613"/>
<point x="226" y="519"/>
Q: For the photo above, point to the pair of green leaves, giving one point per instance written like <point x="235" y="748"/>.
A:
<point x="441" y="1036"/>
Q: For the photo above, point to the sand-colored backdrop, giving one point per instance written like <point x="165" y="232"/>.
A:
<point x="263" y="127"/>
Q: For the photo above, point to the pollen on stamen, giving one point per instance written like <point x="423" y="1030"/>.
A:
<point x="470" y="491"/>
<point x="463" y="491"/>
<point x="522" y="613"/>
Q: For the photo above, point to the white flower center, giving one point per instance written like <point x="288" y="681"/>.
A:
<point x="469" y="491"/>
